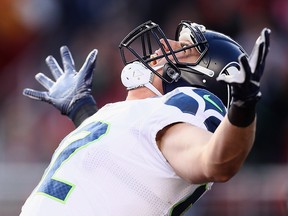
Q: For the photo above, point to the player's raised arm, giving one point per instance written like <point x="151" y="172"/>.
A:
<point x="246" y="84"/>
<point x="200" y="156"/>
<point x="234" y="137"/>
<point x="237" y="131"/>
<point x="70" y="93"/>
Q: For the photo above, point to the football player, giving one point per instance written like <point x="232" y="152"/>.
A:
<point x="188" y="121"/>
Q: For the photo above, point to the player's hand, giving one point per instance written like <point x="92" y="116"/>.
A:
<point x="245" y="84"/>
<point x="71" y="90"/>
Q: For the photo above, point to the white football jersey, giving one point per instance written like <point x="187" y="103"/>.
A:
<point x="111" y="165"/>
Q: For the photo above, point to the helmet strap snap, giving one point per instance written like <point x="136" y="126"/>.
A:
<point x="171" y="72"/>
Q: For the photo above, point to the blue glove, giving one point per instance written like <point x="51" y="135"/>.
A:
<point x="245" y="85"/>
<point x="71" y="91"/>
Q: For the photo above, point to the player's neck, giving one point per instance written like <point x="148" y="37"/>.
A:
<point x="139" y="93"/>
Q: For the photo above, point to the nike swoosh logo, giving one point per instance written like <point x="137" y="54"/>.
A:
<point x="207" y="98"/>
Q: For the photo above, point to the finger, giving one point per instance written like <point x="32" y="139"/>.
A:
<point x="255" y="56"/>
<point x="36" y="95"/>
<point x="244" y="63"/>
<point x="245" y="66"/>
<point x="260" y="50"/>
<point x="89" y="64"/>
<point x="44" y="80"/>
<point x="54" y="67"/>
<point x="68" y="62"/>
<point x="266" y="35"/>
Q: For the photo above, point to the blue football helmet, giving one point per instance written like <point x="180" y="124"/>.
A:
<point x="218" y="54"/>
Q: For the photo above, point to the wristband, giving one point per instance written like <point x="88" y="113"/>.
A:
<point x="242" y="116"/>
<point x="83" y="109"/>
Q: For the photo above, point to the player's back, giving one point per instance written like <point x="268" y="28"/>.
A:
<point x="111" y="165"/>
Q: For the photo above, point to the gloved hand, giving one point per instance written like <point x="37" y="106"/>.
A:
<point x="245" y="85"/>
<point x="71" y="91"/>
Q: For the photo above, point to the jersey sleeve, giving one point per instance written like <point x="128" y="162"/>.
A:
<point x="191" y="105"/>
<point x="195" y="106"/>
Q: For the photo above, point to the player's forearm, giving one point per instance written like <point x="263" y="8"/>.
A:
<point x="229" y="148"/>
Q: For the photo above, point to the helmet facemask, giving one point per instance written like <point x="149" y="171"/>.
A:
<point x="141" y="44"/>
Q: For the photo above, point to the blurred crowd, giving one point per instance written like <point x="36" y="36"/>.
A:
<point x="30" y="30"/>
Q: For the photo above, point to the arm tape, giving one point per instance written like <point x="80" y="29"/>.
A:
<point x="83" y="109"/>
<point x="242" y="116"/>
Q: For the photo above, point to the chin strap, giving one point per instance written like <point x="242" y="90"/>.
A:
<point x="136" y="75"/>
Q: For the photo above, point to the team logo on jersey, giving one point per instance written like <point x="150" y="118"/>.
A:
<point x="207" y="98"/>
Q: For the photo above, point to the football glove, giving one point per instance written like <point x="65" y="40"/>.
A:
<point x="70" y="93"/>
<point x="245" y="85"/>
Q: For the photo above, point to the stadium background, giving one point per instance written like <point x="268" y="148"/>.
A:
<point x="30" y="30"/>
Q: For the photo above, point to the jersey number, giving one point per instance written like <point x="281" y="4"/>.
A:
<point x="185" y="204"/>
<point x="60" y="189"/>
